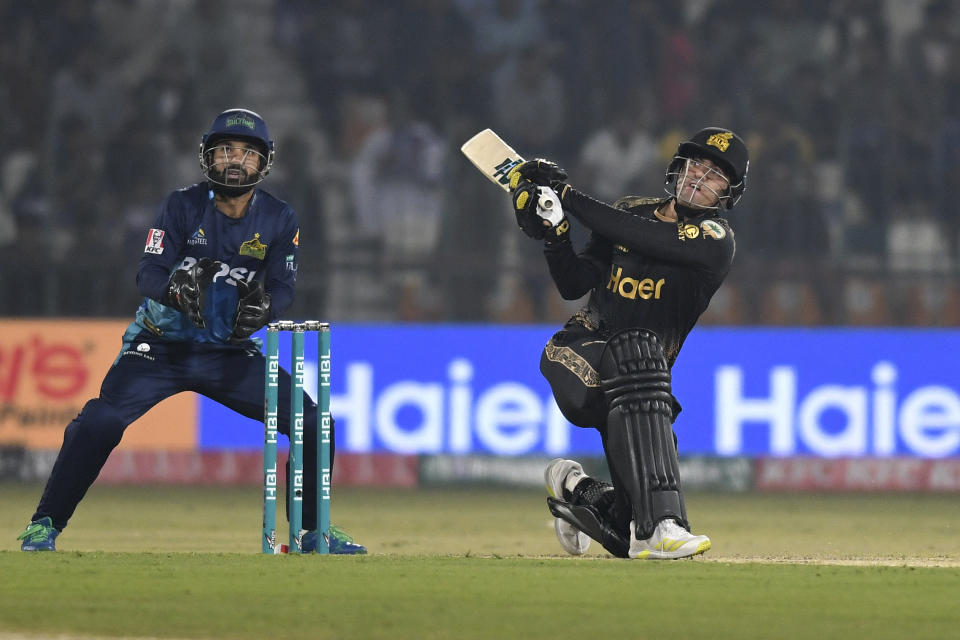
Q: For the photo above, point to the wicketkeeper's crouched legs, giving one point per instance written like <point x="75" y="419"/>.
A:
<point x="87" y="443"/>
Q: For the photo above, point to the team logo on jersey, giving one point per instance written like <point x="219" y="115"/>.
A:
<point x="291" y="263"/>
<point x="198" y="237"/>
<point x="296" y="239"/>
<point x="621" y="248"/>
<point x="254" y="248"/>
<point x="691" y="231"/>
<point x="713" y="229"/>
<point x="720" y="140"/>
<point x="154" y="242"/>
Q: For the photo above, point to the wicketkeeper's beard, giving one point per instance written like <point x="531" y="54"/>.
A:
<point x="234" y="175"/>
<point x="233" y="181"/>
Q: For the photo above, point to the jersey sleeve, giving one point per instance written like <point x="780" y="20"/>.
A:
<point x="163" y="247"/>
<point x="280" y="278"/>
<point x="649" y="237"/>
<point x="575" y="274"/>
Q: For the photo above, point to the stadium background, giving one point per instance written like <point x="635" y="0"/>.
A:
<point x="821" y="364"/>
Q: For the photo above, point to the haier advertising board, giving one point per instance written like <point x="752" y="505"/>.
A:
<point x="790" y="392"/>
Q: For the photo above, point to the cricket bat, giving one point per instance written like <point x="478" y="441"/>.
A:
<point x="495" y="159"/>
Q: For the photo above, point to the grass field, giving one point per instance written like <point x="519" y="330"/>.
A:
<point x="457" y="563"/>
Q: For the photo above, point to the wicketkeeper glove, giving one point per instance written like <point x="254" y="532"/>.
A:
<point x="187" y="289"/>
<point x="253" y="310"/>
<point x="538" y="171"/>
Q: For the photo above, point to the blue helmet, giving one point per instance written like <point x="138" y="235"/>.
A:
<point x="241" y="124"/>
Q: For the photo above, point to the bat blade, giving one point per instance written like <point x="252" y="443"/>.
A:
<point x="492" y="156"/>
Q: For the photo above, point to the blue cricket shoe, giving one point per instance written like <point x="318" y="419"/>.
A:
<point x="340" y="543"/>
<point x="40" y="536"/>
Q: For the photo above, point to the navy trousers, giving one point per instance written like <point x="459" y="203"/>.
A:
<point x="147" y="371"/>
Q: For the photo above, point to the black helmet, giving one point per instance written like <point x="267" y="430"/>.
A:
<point x="723" y="147"/>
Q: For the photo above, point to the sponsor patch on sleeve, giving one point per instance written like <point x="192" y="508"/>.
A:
<point x="713" y="229"/>
<point x="154" y="242"/>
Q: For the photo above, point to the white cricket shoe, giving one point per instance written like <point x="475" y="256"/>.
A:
<point x="573" y="541"/>
<point x="669" y="541"/>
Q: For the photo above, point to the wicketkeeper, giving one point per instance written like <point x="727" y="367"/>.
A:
<point x="219" y="263"/>
<point x="651" y="266"/>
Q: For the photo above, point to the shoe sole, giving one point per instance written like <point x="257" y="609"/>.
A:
<point x="564" y="531"/>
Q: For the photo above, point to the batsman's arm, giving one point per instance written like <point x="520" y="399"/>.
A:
<point x="643" y="235"/>
<point x="576" y="274"/>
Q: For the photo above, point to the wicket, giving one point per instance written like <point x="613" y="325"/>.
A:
<point x="270" y="420"/>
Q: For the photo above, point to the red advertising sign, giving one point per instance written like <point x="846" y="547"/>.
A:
<point x="50" y="368"/>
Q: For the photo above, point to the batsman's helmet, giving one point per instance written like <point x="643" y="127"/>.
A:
<point x="723" y="147"/>
<point x="241" y="124"/>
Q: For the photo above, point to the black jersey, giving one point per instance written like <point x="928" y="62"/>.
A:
<point x="641" y="271"/>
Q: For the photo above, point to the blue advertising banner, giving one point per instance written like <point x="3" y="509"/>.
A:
<point x="785" y="392"/>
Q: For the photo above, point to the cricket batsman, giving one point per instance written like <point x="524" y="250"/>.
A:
<point x="650" y="266"/>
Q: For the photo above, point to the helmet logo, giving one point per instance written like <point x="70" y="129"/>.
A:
<point x="241" y="121"/>
<point x="720" y="140"/>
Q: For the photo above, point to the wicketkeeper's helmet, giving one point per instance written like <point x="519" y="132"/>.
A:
<point x="241" y="124"/>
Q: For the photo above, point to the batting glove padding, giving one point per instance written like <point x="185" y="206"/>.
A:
<point x="525" y="197"/>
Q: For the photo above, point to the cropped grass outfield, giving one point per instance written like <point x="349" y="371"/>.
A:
<point x="454" y="563"/>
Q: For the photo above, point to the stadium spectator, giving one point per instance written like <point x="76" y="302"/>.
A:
<point x="873" y="87"/>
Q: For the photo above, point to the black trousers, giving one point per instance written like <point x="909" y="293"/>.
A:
<point x="149" y="370"/>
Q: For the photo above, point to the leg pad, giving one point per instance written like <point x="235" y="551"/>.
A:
<point x="639" y="444"/>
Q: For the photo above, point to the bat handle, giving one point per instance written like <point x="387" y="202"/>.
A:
<point x="545" y="202"/>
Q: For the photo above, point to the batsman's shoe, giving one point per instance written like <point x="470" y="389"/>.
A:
<point x="573" y="541"/>
<point x="668" y="542"/>
<point x="339" y="543"/>
<point x="40" y="535"/>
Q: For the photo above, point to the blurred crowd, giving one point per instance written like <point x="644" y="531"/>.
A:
<point x="850" y="109"/>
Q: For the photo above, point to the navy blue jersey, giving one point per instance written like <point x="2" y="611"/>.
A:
<point x="262" y="245"/>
